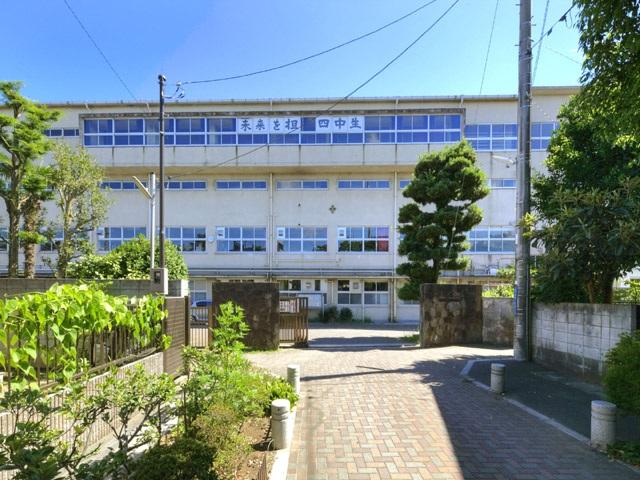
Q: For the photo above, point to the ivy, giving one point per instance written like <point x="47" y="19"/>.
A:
<point x="53" y="331"/>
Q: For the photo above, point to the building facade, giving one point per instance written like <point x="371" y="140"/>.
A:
<point x="304" y="192"/>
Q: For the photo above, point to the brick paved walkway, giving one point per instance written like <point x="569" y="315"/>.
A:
<point x="404" y="413"/>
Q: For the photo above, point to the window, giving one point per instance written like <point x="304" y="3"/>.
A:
<point x="380" y="129"/>
<point x="492" y="240"/>
<point x="186" y="185"/>
<point x="302" y="239"/>
<point x="129" y="132"/>
<point x="363" y="184"/>
<point x="302" y="184"/>
<point x="221" y="131"/>
<point x="197" y="291"/>
<point x="4" y="236"/>
<point x="62" y="132"/>
<point x="290" y="285"/>
<point x="363" y="239"/>
<point x="54" y="244"/>
<point x="152" y="131"/>
<point x="119" y="185"/>
<point x="346" y="295"/>
<point x="404" y="183"/>
<point x="188" y="239"/>
<point x="428" y="128"/>
<point x="492" y="136"/>
<point x="241" y="184"/>
<point x="112" y="237"/>
<point x="190" y="131"/>
<point x="541" y="134"/>
<point x="241" y="239"/>
<point x="376" y="293"/>
<point x="502" y="183"/>
<point x="98" y="133"/>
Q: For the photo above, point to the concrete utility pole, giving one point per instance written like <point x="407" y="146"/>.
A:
<point x="521" y="349"/>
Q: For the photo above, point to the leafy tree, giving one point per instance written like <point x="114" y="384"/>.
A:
<point x="22" y="141"/>
<point x="587" y="207"/>
<point x="129" y="260"/>
<point x="445" y="187"/>
<point x="611" y="70"/>
<point x="82" y="206"/>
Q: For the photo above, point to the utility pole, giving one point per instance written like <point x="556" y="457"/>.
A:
<point x="161" y="81"/>
<point x="152" y="217"/>
<point x="521" y="350"/>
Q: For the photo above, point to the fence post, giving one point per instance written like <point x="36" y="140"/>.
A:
<point x="280" y="423"/>
<point x="210" y="324"/>
<point x="293" y="377"/>
<point x="497" y="377"/>
<point x="603" y="424"/>
<point x="187" y="320"/>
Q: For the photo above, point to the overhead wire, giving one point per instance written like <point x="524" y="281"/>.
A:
<point x="563" y="18"/>
<point x="342" y="99"/>
<point x="100" y="51"/>
<point x="544" y="24"/>
<point x="486" y="58"/>
<point x="312" y="56"/>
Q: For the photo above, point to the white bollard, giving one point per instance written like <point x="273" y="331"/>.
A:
<point x="603" y="424"/>
<point x="497" y="377"/>
<point x="293" y="377"/>
<point x="280" y="423"/>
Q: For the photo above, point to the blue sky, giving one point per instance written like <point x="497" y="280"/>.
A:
<point x="200" y="39"/>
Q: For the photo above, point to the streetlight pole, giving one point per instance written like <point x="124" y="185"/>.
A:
<point x="521" y="350"/>
<point x="161" y="81"/>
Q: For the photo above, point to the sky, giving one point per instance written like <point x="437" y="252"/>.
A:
<point x="45" y="47"/>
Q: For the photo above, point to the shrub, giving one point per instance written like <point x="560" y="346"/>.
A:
<point x="278" y="387"/>
<point x="501" y="291"/>
<point x="346" y="315"/>
<point x="329" y="315"/>
<point x="185" y="459"/>
<point x="631" y="294"/>
<point x="622" y="376"/>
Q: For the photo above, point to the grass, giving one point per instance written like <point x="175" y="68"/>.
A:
<point x="628" y="452"/>
<point x="413" y="338"/>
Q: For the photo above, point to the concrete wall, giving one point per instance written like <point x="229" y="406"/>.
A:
<point x="576" y="336"/>
<point x="497" y="321"/>
<point x="450" y="314"/>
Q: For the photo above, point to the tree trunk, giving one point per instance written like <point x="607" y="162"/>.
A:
<point x="31" y="221"/>
<point x="13" y="240"/>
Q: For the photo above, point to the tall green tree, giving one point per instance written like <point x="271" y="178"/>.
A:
<point x="22" y="141"/>
<point x="610" y="40"/>
<point x="587" y="207"/>
<point x="445" y="188"/>
<point x="82" y="206"/>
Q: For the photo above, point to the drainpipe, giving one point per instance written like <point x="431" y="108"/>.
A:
<point x="270" y="227"/>
<point x="392" y="297"/>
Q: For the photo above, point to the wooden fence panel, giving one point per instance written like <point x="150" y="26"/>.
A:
<point x="177" y="327"/>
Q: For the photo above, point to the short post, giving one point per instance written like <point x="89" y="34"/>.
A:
<point x="497" y="377"/>
<point x="293" y="377"/>
<point x="603" y="424"/>
<point x="280" y="423"/>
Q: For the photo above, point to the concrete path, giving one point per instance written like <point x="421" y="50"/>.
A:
<point x="405" y="413"/>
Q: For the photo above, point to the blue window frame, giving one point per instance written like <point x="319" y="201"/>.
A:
<point x="502" y="183"/>
<point x="492" y="240"/>
<point x="302" y="185"/>
<point x="404" y="183"/>
<point x="363" y="239"/>
<point x="98" y="132"/>
<point x="152" y="131"/>
<point x="128" y="132"/>
<point x="188" y="239"/>
<point x="302" y="239"/>
<point x="492" y="136"/>
<point x="241" y="239"/>
<point x="241" y="184"/>
<point x="112" y="237"/>
<point x="363" y="184"/>
<point x="541" y="134"/>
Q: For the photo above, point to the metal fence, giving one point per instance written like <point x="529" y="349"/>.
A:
<point x="199" y="326"/>
<point x="294" y="320"/>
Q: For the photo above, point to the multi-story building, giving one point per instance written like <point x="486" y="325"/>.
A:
<point x="305" y="192"/>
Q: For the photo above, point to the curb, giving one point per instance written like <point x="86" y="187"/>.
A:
<point x="464" y="373"/>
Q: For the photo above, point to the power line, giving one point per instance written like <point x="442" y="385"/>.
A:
<point x="309" y="57"/>
<point x="544" y="24"/>
<point x="563" y="55"/>
<point x="342" y="99"/>
<point x="486" y="58"/>
<point x="102" y="54"/>
<point x="563" y="18"/>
